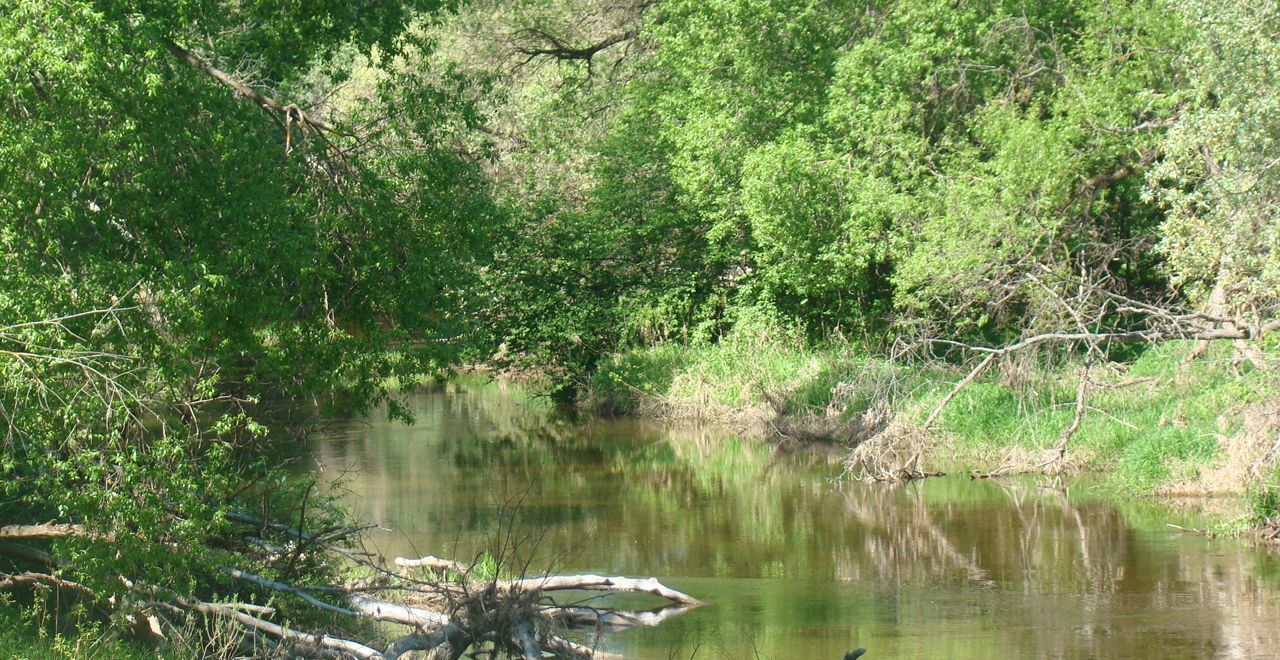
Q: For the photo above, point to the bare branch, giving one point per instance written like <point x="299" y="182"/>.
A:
<point x="289" y="111"/>
<point x="553" y="47"/>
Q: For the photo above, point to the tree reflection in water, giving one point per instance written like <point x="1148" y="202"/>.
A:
<point x="793" y="563"/>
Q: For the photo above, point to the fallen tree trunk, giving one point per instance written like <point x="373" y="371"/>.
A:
<point x="44" y="532"/>
<point x="289" y="589"/>
<point x="321" y="641"/>
<point x="504" y="616"/>
<point x="599" y="583"/>
<point x="433" y="563"/>
<point x="28" y="553"/>
<point x="8" y="581"/>
<point x="451" y="635"/>
<point x="396" y="613"/>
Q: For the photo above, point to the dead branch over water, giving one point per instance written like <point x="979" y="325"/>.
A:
<point x="441" y="603"/>
<point x="896" y="452"/>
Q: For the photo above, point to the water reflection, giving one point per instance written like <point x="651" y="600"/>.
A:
<point x="792" y="564"/>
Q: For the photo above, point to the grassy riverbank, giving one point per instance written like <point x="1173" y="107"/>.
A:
<point x="21" y="638"/>
<point x="1154" y="426"/>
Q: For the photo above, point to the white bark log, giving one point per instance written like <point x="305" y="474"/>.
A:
<point x="451" y="635"/>
<point x="280" y="586"/>
<point x="42" y="532"/>
<point x="600" y="583"/>
<point x="320" y="641"/>
<point x="396" y="613"/>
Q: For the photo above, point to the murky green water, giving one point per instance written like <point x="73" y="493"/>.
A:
<point x="791" y="564"/>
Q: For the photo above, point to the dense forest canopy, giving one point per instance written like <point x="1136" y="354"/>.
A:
<point x="220" y="217"/>
<point x="865" y="170"/>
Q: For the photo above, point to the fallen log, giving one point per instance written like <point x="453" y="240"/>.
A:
<point x="9" y="581"/>
<point x="361" y="605"/>
<point x="286" y="588"/>
<point x="28" y="553"/>
<point x="396" y="613"/>
<point x="280" y="632"/>
<point x="599" y="583"/>
<point x="460" y="626"/>
<point x="433" y="563"/>
<point x="44" y="532"/>
<point x="451" y="635"/>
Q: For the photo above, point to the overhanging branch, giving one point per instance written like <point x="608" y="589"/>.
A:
<point x="553" y="47"/>
<point x="291" y="113"/>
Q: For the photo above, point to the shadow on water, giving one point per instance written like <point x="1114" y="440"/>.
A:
<point x="792" y="563"/>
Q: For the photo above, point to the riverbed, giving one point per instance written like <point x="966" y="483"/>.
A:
<point x="792" y="560"/>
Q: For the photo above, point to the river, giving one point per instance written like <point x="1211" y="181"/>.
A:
<point x="792" y="561"/>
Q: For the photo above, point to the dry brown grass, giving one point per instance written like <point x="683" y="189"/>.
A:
<point x="894" y="454"/>
<point x="1245" y="458"/>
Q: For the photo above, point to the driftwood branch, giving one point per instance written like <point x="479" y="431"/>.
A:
<point x="964" y="382"/>
<point x="320" y="641"/>
<point x="1059" y="453"/>
<point x="567" y="649"/>
<point x="599" y="583"/>
<point x="396" y="613"/>
<point x="8" y="581"/>
<point x="1082" y="389"/>
<point x="451" y="635"/>
<point x="507" y="614"/>
<point x="44" y="532"/>
<point x="289" y="589"/>
<point x="433" y="563"/>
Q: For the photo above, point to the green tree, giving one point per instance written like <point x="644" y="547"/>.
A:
<point x="190" y="249"/>
<point x="1219" y="177"/>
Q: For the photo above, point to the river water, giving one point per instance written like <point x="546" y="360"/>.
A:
<point x="791" y="562"/>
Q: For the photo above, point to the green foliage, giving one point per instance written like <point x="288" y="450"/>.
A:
<point x="1265" y="501"/>
<point x="486" y="568"/>
<point x="1219" y="176"/>
<point x="572" y="183"/>
<point x="724" y="379"/>
<point x="183" y="276"/>
<point x="822" y="230"/>
<point x="1150" y="426"/>
<point x="24" y="639"/>
<point x="861" y="170"/>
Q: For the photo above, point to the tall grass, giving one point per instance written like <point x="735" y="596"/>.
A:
<point x="22" y="637"/>
<point x="1151" y="425"/>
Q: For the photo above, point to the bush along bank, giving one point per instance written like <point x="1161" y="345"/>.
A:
<point x="1173" y="421"/>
